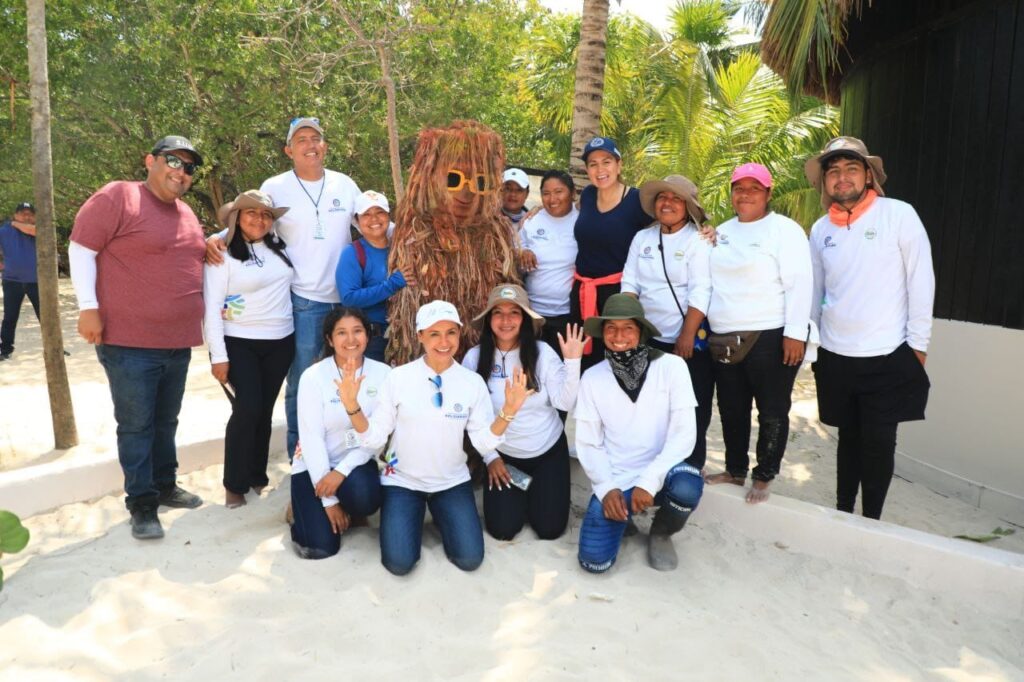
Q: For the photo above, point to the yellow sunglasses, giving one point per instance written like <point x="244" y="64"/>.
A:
<point x="477" y="183"/>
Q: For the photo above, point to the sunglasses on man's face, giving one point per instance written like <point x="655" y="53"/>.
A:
<point x="477" y="183"/>
<point x="177" y="163"/>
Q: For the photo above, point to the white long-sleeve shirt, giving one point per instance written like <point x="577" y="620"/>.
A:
<point x="761" y="277"/>
<point x="687" y="261"/>
<point x="537" y="425"/>
<point x="246" y="299"/>
<point x="426" y="449"/>
<point x="324" y="423"/>
<point x="553" y="242"/>
<point x="314" y="251"/>
<point x="622" y="444"/>
<point x="874" y="286"/>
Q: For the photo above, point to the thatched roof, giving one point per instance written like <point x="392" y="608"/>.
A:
<point x="803" y="41"/>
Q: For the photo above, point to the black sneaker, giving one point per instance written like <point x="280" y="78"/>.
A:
<point x="5" y="356"/>
<point x="179" y="498"/>
<point x="146" y="524"/>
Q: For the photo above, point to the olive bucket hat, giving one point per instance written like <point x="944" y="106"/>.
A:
<point x="622" y="307"/>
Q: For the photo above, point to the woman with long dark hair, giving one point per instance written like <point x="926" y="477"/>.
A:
<point x="535" y="443"/>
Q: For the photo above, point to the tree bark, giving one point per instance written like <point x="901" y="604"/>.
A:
<point x="586" y="110"/>
<point x="392" y="120"/>
<point x="65" y="433"/>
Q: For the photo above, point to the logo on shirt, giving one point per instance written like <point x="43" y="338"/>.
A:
<point x="336" y="203"/>
<point x="540" y="232"/>
<point x="755" y="245"/>
<point x="870" y="233"/>
<point x="829" y="242"/>
<point x="234" y="306"/>
<point x="497" y="371"/>
<point x="458" y="412"/>
<point x="371" y="391"/>
<point x="678" y="255"/>
<point x="390" y="462"/>
<point x="722" y="240"/>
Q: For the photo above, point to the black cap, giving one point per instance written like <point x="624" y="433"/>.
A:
<point x="25" y="206"/>
<point x="175" y="142"/>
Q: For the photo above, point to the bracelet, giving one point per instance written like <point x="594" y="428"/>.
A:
<point x="506" y="417"/>
<point x="355" y="411"/>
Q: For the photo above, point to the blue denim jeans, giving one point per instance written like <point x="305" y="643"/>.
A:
<point x="146" y="385"/>
<point x="358" y="495"/>
<point x="401" y="526"/>
<point x="600" y="537"/>
<point x="309" y="343"/>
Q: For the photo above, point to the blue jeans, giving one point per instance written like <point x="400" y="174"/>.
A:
<point x="401" y="526"/>
<point x="377" y="345"/>
<point x="146" y="385"/>
<point x="309" y="343"/>
<point x="600" y="537"/>
<point x="358" y="495"/>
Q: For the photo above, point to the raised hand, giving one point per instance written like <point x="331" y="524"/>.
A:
<point x="348" y="385"/>
<point x="573" y="342"/>
<point x="516" y="392"/>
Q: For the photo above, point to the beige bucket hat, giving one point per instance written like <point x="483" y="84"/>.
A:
<point x="509" y="293"/>
<point x="227" y="214"/>
<point x="678" y="185"/>
<point x="843" y="145"/>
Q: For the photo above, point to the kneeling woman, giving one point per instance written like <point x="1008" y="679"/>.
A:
<point x="334" y="478"/>
<point x="429" y="404"/>
<point x="635" y="425"/>
<point x="535" y="443"/>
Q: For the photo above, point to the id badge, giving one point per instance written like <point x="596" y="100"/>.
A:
<point x="319" y="232"/>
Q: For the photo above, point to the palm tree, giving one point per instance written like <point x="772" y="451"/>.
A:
<point x="589" y="90"/>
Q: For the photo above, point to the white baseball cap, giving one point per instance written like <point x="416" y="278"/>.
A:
<point x="369" y="199"/>
<point x="431" y="313"/>
<point x="517" y="176"/>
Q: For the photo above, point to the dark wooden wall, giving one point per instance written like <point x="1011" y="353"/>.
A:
<point x="937" y="89"/>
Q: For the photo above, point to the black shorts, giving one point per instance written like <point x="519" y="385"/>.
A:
<point x="884" y="389"/>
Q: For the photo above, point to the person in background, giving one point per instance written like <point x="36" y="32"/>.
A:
<point x="18" y="246"/>
<point x="548" y="254"/>
<point x="515" y="188"/>
<point x="760" y="293"/>
<point x="874" y="288"/>
<point x="249" y="332"/>
<point x="362" y="275"/>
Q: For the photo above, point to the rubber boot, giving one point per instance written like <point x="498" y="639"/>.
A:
<point x="661" y="554"/>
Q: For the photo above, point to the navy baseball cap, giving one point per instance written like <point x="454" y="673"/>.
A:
<point x="24" y="206"/>
<point x="604" y="144"/>
<point x="173" y="143"/>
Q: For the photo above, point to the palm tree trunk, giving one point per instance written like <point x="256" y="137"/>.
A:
<point x="586" y="116"/>
<point x="65" y="433"/>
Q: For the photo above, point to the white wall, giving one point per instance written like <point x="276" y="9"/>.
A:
<point x="971" y="445"/>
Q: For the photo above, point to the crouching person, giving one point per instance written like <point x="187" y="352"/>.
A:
<point x="635" y="422"/>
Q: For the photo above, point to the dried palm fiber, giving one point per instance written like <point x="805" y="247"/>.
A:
<point x="458" y="261"/>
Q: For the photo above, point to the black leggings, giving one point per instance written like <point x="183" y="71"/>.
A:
<point x="703" y="380"/>
<point x="257" y="370"/>
<point x="545" y="504"/>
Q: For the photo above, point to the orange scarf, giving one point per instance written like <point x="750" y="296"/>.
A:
<point x="588" y="297"/>
<point x="840" y="217"/>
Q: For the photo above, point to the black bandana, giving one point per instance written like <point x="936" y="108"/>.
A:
<point x="630" y="368"/>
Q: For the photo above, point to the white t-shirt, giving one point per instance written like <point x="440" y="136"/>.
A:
<point x="686" y="259"/>
<point x="537" y="425"/>
<point x="761" y="277"/>
<point x="314" y="250"/>
<point x="324" y="423"/>
<point x="552" y="241"/>
<point x="426" y="449"/>
<point x="874" y="286"/>
<point x="246" y="299"/>
<point x="622" y="444"/>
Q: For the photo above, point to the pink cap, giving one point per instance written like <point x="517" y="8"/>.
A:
<point x="755" y="171"/>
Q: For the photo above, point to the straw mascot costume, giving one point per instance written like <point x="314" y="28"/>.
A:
<point x="450" y="232"/>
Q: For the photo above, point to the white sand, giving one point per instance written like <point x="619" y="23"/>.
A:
<point x="224" y="596"/>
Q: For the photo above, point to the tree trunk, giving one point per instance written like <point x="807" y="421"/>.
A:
<point x="392" y="120"/>
<point x="586" y="110"/>
<point x="65" y="434"/>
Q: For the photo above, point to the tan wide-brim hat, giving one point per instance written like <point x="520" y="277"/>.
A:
<point x="227" y="214"/>
<point x="843" y="145"/>
<point x="679" y="185"/>
<point x="509" y="293"/>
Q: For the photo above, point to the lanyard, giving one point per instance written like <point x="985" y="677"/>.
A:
<point x="318" y="232"/>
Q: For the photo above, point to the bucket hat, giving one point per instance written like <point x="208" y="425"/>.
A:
<point x="620" y="307"/>
<point x="253" y="198"/>
<point x="510" y="293"/>
<point x="814" y="167"/>
<point x="680" y="186"/>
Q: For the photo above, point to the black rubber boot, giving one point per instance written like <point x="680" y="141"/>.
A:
<point x="660" y="552"/>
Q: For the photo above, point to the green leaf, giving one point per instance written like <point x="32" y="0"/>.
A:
<point x="997" y="533"/>
<point x="13" y="535"/>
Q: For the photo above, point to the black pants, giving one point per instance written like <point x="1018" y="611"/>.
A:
<point x="545" y="504"/>
<point x="257" y="370"/>
<point x="763" y="379"/>
<point x="702" y="378"/>
<point x="867" y="398"/>
<point x="604" y="292"/>
<point x="14" y="296"/>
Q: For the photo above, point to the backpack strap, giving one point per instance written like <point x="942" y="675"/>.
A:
<point x="360" y="253"/>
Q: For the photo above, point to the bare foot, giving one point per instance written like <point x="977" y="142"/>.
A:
<point x="233" y="500"/>
<point x="758" y="492"/>
<point x="724" y="477"/>
<point x="289" y="516"/>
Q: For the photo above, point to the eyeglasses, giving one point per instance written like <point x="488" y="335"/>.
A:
<point x="304" y="118"/>
<point x="437" y="398"/>
<point x="177" y="163"/>
<point x="477" y="183"/>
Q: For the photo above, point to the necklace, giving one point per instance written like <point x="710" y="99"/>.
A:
<point x="318" y="231"/>
<point x="504" y="373"/>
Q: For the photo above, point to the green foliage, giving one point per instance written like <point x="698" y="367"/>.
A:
<point x="13" y="537"/>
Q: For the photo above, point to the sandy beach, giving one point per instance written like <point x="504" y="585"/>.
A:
<point x="224" y="596"/>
